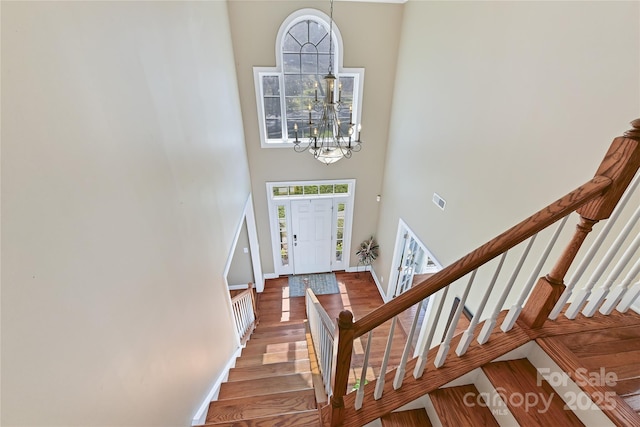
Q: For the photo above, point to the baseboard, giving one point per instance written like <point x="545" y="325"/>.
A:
<point x="270" y="276"/>
<point x="239" y="287"/>
<point x="200" y="417"/>
<point x="383" y="294"/>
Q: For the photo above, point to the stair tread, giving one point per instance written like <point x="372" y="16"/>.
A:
<point x="597" y="338"/>
<point x="610" y="347"/>
<point x="297" y="419"/>
<point x="411" y="418"/>
<point x="277" y="346"/>
<point x="262" y="386"/>
<point x="280" y="335"/>
<point x="520" y="377"/>
<point x="245" y="408"/>
<point x="451" y="406"/>
<point x="260" y="359"/>
<point x="243" y="373"/>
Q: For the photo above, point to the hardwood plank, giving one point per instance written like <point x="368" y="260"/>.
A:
<point x="298" y="419"/>
<point x="264" y="386"/>
<point x="268" y="358"/>
<point x="600" y="348"/>
<point x="599" y="322"/>
<point x="449" y="404"/>
<point x="284" y="335"/>
<point x="617" y="333"/>
<point x="260" y="406"/>
<point x="615" y="359"/>
<point x="618" y="411"/>
<point x="273" y="347"/>
<point x="412" y="418"/>
<point x="519" y="378"/>
<point x="269" y="370"/>
<point x="627" y="387"/>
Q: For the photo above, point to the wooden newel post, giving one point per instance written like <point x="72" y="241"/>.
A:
<point x="549" y="288"/>
<point x="341" y="368"/>
<point x="254" y="302"/>
<point x="620" y="165"/>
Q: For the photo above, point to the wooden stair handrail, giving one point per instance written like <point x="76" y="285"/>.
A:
<point x="594" y="201"/>
<point x="485" y="253"/>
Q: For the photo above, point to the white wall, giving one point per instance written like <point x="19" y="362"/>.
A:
<point x="501" y="108"/>
<point x="124" y="176"/>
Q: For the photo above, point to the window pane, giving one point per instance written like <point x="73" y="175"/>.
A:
<point x="341" y="208"/>
<point x="274" y="129"/>
<point x="323" y="64"/>
<point x="326" y="189"/>
<point x="291" y="63"/>
<point x="290" y="44"/>
<point x="281" y="212"/>
<point x="284" y="255"/>
<point x="293" y="85"/>
<point x="270" y="86"/>
<point x="280" y="191"/>
<point x="296" y="190"/>
<point x="272" y="108"/>
<point x="309" y="63"/>
<point x="300" y="32"/>
<point x="323" y="46"/>
<point x="342" y="188"/>
<point x="317" y="33"/>
<point x="308" y="82"/>
<point x="310" y="189"/>
<point x="340" y="222"/>
<point x="347" y="86"/>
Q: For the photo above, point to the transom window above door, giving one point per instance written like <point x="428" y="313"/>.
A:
<point x="284" y="92"/>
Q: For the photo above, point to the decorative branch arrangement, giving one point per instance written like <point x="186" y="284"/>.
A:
<point x="368" y="251"/>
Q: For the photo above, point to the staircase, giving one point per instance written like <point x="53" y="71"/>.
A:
<point x="271" y="383"/>
<point x="473" y="377"/>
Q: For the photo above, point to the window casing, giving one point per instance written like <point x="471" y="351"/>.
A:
<point x="283" y="93"/>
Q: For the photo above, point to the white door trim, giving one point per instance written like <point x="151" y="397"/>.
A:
<point x="347" y="198"/>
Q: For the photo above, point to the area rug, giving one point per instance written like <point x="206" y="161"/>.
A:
<point x="320" y="284"/>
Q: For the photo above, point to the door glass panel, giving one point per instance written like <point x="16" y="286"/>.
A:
<point x="282" y="232"/>
<point x="340" y="232"/>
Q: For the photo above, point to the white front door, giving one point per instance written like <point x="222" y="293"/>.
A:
<point x="311" y="229"/>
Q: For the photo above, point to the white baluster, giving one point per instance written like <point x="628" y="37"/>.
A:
<point x="629" y="298"/>
<point x="516" y="308"/>
<point x="583" y="295"/>
<point x="490" y="323"/>
<point x="422" y="359"/>
<point x="363" y="374"/>
<point x="400" y="371"/>
<point x="467" y="336"/>
<point x="383" y="369"/>
<point x="445" y="345"/>
<point x="597" y="243"/>
<point x="616" y="295"/>
<point x="600" y="294"/>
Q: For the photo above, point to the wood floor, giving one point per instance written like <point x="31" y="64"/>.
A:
<point x="358" y="294"/>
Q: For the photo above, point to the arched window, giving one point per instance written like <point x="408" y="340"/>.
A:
<point x="303" y="58"/>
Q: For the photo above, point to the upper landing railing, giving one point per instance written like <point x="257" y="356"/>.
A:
<point x="545" y="295"/>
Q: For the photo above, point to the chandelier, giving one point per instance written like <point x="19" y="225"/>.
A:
<point x="329" y="140"/>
